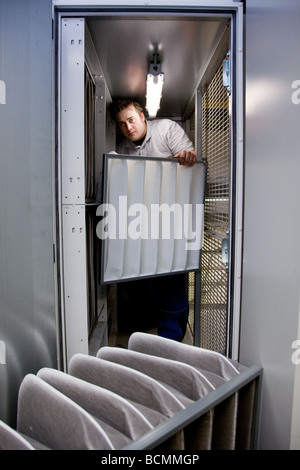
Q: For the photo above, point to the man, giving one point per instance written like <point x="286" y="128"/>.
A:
<point x="158" y="138"/>
<point x="163" y="297"/>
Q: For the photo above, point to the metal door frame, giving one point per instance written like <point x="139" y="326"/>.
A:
<point x="234" y="11"/>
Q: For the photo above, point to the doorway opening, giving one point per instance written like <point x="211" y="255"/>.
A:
<point x="102" y="54"/>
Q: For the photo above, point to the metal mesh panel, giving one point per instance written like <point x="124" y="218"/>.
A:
<point x="191" y="275"/>
<point x="216" y="153"/>
<point x="191" y="300"/>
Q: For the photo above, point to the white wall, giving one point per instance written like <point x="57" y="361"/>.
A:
<point x="271" y="268"/>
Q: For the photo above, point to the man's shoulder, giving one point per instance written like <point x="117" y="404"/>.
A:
<point x="162" y="125"/>
<point x="161" y="122"/>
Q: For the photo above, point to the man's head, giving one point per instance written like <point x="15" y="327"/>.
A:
<point x="131" y="119"/>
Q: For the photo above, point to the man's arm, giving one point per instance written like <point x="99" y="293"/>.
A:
<point x="178" y="139"/>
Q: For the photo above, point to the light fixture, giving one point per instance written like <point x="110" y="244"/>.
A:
<point x="154" y="85"/>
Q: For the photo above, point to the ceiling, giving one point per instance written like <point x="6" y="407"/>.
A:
<point x="125" y="47"/>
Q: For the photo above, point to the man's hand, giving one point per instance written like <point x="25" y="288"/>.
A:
<point x="186" y="157"/>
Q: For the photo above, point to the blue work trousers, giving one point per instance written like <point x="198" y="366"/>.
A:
<point x="165" y="298"/>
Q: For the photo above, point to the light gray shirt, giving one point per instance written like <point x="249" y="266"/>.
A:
<point x="164" y="138"/>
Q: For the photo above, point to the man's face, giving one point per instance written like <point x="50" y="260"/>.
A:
<point x="132" y="123"/>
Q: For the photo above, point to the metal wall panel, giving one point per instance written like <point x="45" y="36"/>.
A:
<point x="27" y="307"/>
<point x="271" y="269"/>
<point x="72" y="188"/>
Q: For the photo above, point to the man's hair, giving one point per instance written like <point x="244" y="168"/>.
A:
<point x="121" y="104"/>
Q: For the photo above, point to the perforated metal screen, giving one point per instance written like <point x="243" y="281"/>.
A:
<point x="214" y="277"/>
<point x="216" y="152"/>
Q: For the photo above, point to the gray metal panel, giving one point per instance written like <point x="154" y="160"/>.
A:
<point x="271" y="269"/>
<point x="27" y="308"/>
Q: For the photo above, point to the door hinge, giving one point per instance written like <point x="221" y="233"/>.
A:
<point x="227" y="73"/>
<point x="225" y="251"/>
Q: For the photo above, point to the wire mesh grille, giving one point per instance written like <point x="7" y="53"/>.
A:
<point x="191" y="275"/>
<point x="216" y="153"/>
<point x="214" y="276"/>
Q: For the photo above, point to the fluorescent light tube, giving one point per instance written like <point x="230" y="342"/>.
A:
<point x="154" y="93"/>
